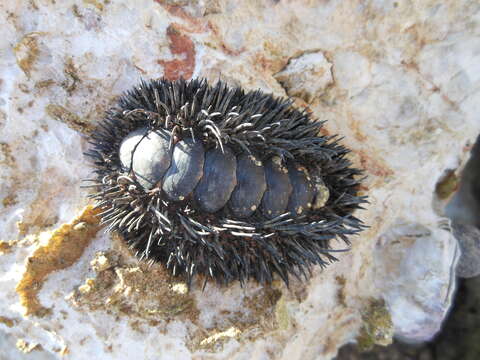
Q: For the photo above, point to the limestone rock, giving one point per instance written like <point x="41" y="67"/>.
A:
<point x="306" y="76"/>
<point x="416" y="274"/>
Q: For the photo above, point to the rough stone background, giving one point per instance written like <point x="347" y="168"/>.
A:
<point x="400" y="80"/>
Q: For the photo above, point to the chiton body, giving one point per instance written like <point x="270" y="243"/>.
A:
<point x="217" y="181"/>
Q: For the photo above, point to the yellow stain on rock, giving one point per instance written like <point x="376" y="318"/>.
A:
<point x="5" y="246"/>
<point x="61" y="249"/>
<point x="27" y="51"/>
<point x="7" y="321"/>
<point x="26" y="347"/>
<point x="69" y="118"/>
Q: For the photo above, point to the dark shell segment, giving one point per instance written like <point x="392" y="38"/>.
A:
<point x="303" y="190"/>
<point x="151" y="155"/>
<point x="219" y="177"/>
<point x="275" y="198"/>
<point x="218" y="181"/>
<point x="251" y="185"/>
<point x="186" y="169"/>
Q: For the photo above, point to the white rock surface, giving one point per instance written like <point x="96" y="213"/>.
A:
<point x="307" y="76"/>
<point x="415" y="273"/>
<point x="405" y="95"/>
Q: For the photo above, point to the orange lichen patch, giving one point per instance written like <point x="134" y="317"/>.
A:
<point x="182" y="46"/>
<point x="61" y="249"/>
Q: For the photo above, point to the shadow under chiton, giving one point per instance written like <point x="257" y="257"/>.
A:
<point x="221" y="182"/>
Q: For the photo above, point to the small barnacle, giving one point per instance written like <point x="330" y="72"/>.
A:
<point x="217" y="181"/>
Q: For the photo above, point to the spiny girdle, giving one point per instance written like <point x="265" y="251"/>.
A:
<point x="247" y="224"/>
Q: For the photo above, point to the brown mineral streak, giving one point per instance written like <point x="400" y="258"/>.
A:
<point x="27" y="51"/>
<point x="373" y="166"/>
<point x="65" y="246"/>
<point x="179" y="45"/>
<point x="72" y="120"/>
<point x="217" y="35"/>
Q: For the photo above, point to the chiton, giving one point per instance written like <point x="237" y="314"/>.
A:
<point x="218" y="181"/>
